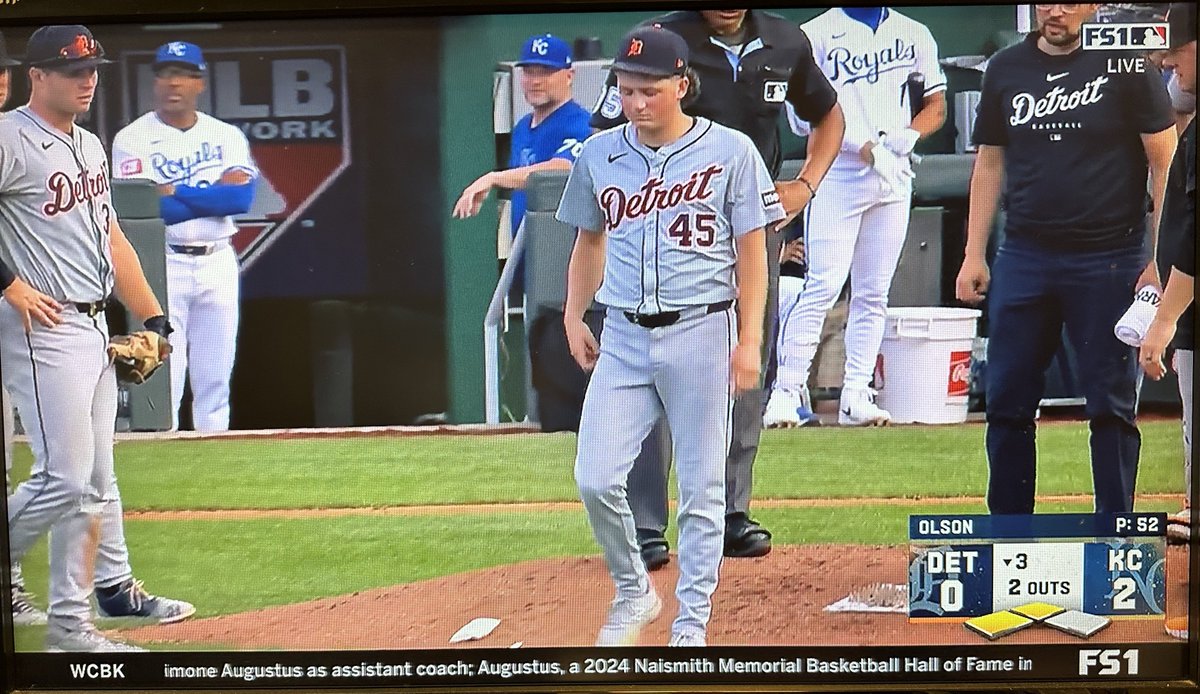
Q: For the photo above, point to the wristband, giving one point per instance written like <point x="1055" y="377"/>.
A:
<point x="7" y="276"/>
<point x="159" y="324"/>
<point x="812" y="191"/>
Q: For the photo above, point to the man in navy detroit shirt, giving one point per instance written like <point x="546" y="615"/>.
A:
<point x="1069" y="136"/>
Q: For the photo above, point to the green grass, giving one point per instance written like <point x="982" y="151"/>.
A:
<point x="819" y="463"/>
<point x="228" y="566"/>
<point x="256" y="563"/>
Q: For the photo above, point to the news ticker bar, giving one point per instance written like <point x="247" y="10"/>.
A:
<point x="1036" y="526"/>
<point x="649" y="665"/>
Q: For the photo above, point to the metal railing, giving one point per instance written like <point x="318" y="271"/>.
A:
<point x="496" y="314"/>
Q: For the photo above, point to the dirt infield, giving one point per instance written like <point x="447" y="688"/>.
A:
<point x="775" y="600"/>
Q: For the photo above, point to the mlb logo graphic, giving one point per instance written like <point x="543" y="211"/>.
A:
<point x="774" y="92"/>
<point x="959" y="381"/>
<point x="1142" y="36"/>
<point x="131" y="167"/>
<point x="291" y="105"/>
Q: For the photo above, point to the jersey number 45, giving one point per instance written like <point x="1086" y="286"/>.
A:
<point x="703" y="231"/>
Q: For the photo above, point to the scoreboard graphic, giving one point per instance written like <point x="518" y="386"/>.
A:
<point x="968" y="566"/>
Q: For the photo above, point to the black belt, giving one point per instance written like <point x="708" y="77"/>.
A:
<point x="194" y="250"/>
<point x="662" y="320"/>
<point x="91" y="309"/>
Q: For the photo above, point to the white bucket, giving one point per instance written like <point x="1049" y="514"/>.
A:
<point x="924" y="366"/>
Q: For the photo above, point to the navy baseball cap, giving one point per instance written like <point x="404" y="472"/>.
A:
<point x="546" y="50"/>
<point x="6" y="61"/>
<point x="180" y="53"/>
<point x="1181" y="18"/>
<point x="64" y="46"/>
<point x="652" y="51"/>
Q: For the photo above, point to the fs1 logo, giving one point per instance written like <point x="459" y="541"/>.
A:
<point x="290" y="102"/>
<point x="1108" y="662"/>
<point x="1143" y="36"/>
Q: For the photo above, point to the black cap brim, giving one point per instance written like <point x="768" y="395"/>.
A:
<point x="9" y="62"/>
<point x="71" y="64"/>
<point x="640" y="69"/>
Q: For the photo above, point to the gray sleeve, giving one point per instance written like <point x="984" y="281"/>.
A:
<point x="10" y="162"/>
<point x="578" y="207"/>
<point x="753" y="201"/>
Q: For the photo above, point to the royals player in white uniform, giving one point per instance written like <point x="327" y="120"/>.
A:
<point x="856" y="227"/>
<point x="206" y="174"/>
<point x="62" y="255"/>
<point x="671" y="211"/>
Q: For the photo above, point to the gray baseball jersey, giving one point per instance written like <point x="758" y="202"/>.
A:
<point x="55" y="212"/>
<point x="671" y="215"/>
<point x="55" y="208"/>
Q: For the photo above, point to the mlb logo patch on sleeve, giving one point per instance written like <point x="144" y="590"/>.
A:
<point x="130" y="167"/>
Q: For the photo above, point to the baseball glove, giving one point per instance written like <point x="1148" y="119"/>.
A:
<point x="136" y="357"/>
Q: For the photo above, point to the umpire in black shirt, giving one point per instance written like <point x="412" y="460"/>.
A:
<point x="748" y="63"/>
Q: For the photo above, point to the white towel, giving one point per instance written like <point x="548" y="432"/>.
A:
<point x="1132" y="327"/>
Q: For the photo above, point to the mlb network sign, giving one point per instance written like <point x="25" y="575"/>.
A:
<point x="1144" y="36"/>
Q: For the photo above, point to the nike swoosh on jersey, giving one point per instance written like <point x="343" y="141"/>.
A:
<point x="47" y="145"/>
<point x="838" y="36"/>
<point x="614" y="157"/>
<point x="1051" y="78"/>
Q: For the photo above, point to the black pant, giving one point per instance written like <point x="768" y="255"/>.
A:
<point x="1034" y="293"/>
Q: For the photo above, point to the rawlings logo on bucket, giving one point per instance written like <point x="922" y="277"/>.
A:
<point x="959" y="382"/>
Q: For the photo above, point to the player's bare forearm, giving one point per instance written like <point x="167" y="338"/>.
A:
<point x="585" y="272"/>
<point x="986" y="181"/>
<point x="1160" y="149"/>
<point x="1177" y="296"/>
<point x="516" y="178"/>
<point x="751" y="269"/>
<point x="932" y="115"/>
<point x="823" y="145"/>
<point x="131" y="286"/>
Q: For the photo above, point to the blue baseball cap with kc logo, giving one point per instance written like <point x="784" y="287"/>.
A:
<point x="547" y="50"/>
<point x="180" y="53"/>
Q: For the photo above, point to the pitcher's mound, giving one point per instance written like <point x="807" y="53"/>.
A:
<point x="774" y="600"/>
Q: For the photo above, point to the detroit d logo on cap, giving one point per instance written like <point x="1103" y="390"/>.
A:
<point x="635" y="47"/>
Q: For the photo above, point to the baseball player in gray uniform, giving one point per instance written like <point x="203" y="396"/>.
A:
<point x="63" y="255"/>
<point x="671" y="211"/>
